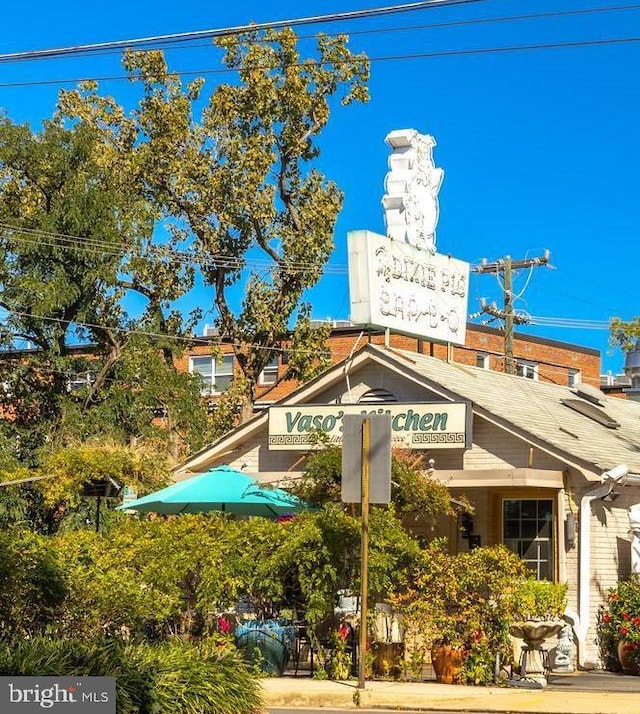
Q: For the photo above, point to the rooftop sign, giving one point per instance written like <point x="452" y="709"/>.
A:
<point x="412" y="184"/>
<point x="399" y="282"/>
<point x="398" y="286"/>
<point x="441" y="425"/>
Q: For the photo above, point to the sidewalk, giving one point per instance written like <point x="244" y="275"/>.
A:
<point x="568" y="697"/>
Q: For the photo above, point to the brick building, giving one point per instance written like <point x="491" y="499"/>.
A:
<point x="536" y="358"/>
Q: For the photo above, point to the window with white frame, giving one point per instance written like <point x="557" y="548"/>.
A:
<point x="527" y="369"/>
<point x="573" y="377"/>
<point x="269" y="374"/>
<point x="216" y="374"/>
<point x="527" y="530"/>
<point x="482" y="360"/>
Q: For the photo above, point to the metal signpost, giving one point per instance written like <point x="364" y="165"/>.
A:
<point x="366" y="452"/>
<point x="364" y="551"/>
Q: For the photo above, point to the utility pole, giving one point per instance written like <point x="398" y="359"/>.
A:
<point x="506" y="266"/>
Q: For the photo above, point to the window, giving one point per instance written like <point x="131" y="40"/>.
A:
<point x="216" y="374"/>
<point x="527" y="369"/>
<point x="573" y="377"/>
<point x="269" y="374"/>
<point x="527" y="529"/>
<point x="482" y="360"/>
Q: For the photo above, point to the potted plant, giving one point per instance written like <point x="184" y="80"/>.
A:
<point x="539" y="600"/>
<point x="619" y="627"/>
<point x="448" y="647"/>
<point x="538" y="607"/>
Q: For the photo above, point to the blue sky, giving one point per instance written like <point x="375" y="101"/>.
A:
<point x="540" y="148"/>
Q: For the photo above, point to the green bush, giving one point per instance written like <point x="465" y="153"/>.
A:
<point x="464" y="601"/>
<point x="189" y="679"/>
<point x="33" y="584"/>
<point x="175" y="677"/>
<point x="539" y="599"/>
<point x="63" y="658"/>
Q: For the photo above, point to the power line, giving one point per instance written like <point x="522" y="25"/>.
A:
<point x="146" y="333"/>
<point x="189" y="257"/>
<point x="534" y="320"/>
<point x="384" y="58"/>
<point x="569" y="322"/>
<point x="62" y="241"/>
<point x="336" y="354"/>
<point x="227" y="31"/>
<point x="95" y="246"/>
<point x="187" y="44"/>
<point x="491" y="20"/>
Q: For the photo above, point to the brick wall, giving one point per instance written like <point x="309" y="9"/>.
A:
<point x="555" y="359"/>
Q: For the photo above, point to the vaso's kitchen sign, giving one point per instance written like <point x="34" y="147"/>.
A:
<point x="435" y="425"/>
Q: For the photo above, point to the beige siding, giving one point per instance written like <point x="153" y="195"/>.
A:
<point x="493" y="448"/>
<point x="610" y="554"/>
<point x="372" y="377"/>
<point x="255" y="457"/>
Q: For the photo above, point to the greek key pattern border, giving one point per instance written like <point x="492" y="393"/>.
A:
<point x="432" y="438"/>
<point x="290" y="440"/>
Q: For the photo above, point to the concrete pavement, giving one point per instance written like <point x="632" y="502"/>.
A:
<point x="567" y="696"/>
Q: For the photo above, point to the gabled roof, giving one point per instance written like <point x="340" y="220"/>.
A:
<point x="530" y="409"/>
<point x="536" y="410"/>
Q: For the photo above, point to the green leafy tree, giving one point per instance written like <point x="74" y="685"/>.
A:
<point x="624" y="334"/>
<point x="76" y="240"/>
<point x="233" y="172"/>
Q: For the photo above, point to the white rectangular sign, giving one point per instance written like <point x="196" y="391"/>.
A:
<point x="398" y="286"/>
<point x="437" y="425"/>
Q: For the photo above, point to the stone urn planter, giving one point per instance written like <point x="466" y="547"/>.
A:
<point x="532" y="661"/>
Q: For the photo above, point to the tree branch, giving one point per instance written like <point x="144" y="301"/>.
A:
<point x="274" y="255"/>
<point x="112" y="358"/>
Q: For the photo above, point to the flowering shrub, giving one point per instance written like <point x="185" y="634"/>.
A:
<point x="619" y="619"/>
<point x="340" y="660"/>
<point x="464" y="601"/>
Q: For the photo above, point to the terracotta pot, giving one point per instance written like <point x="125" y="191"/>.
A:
<point x="625" y="655"/>
<point x="447" y="663"/>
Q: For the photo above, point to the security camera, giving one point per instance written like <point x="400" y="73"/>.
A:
<point x="616" y="473"/>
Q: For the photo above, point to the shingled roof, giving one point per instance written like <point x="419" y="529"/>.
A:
<point x="534" y="410"/>
<point x="539" y="409"/>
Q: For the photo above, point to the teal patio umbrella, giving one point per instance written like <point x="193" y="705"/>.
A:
<point x="220" y="489"/>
